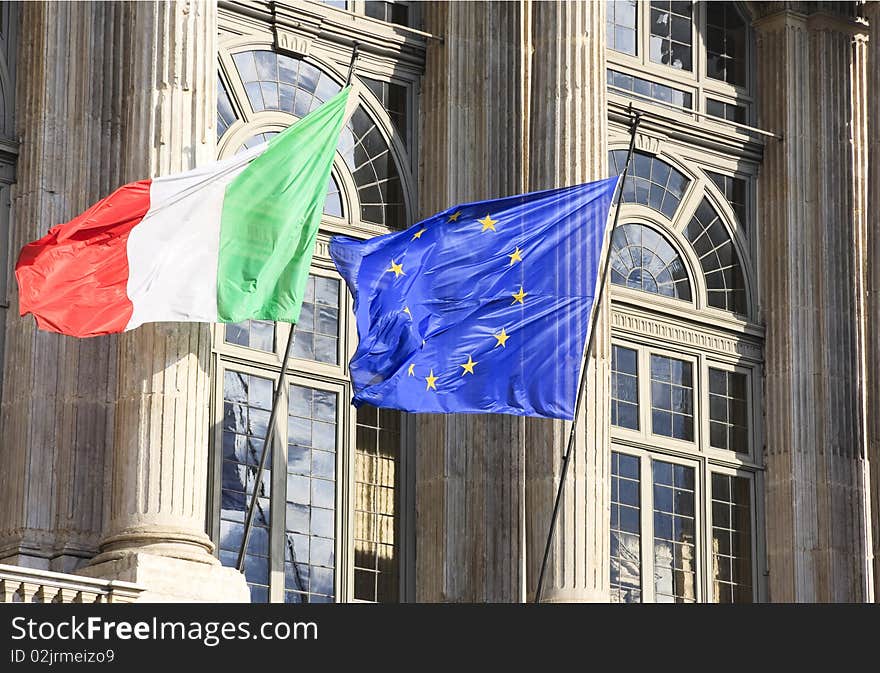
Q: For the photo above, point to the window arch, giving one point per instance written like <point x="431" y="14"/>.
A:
<point x="643" y="259"/>
<point x="725" y="285"/>
<point x="276" y="82"/>
<point x="650" y="181"/>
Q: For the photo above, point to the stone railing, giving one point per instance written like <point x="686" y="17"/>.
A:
<point x="27" y="585"/>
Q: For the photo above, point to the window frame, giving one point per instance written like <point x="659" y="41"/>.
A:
<point x="703" y="470"/>
<point x="238" y="33"/>
<point x="697" y="81"/>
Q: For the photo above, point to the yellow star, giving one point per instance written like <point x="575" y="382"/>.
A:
<point x="396" y="268"/>
<point x="468" y="366"/>
<point x="516" y="256"/>
<point x="488" y="223"/>
<point x="502" y="337"/>
<point x="412" y="369"/>
<point x="418" y="234"/>
<point x="430" y="378"/>
<point x="406" y="310"/>
<point x="518" y="297"/>
<point x="454" y="217"/>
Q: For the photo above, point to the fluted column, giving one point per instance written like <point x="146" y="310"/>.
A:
<point x="57" y="409"/>
<point x="156" y="532"/>
<point x="815" y="468"/>
<point x="569" y="145"/>
<point x="872" y="280"/>
<point x="470" y="468"/>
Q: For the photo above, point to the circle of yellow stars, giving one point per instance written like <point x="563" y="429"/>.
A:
<point x="488" y="224"/>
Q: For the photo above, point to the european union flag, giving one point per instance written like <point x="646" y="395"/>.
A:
<point x="483" y="308"/>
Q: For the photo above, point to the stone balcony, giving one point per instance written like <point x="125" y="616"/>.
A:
<point x="27" y="585"/>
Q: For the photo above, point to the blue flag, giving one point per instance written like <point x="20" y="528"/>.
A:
<point x="483" y="308"/>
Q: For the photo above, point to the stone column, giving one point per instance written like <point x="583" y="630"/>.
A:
<point x="470" y="474"/>
<point x="872" y="281"/>
<point x="156" y="533"/>
<point x="815" y="491"/>
<point x="57" y="409"/>
<point x="569" y="145"/>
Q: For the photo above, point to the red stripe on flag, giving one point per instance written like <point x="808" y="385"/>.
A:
<point x="74" y="279"/>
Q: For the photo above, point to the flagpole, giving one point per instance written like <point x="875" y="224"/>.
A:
<point x="276" y="397"/>
<point x="267" y="443"/>
<point x="637" y="116"/>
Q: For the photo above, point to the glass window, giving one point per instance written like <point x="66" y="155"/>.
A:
<point x="718" y="257"/>
<point x="725" y="43"/>
<point x="247" y="401"/>
<point x="734" y="189"/>
<point x="394" y="100"/>
<point x="626" y="554"/>
<point x="642" y="259"/>
<point x="279" y="82"/>
<point x="621" y="25"/>
<point x="624" y="387"/>
<point x="671" y="33"/>
<point x="731" y="539"/>
<point x="728" y="419"/>
<point x="729" y="111"/>
<point x="392" y="12"/>
<point x="225" y="113"/>
<point x="672" y="398"/>
<point x="310" y="523"/>
<point x="643" y="87"/>
<point x="675" y="545"/>
<point x="651" y="181"/>
<point x="376" y="459"/>
<point x="317" y="332"/>
<point x="258" y="334"/>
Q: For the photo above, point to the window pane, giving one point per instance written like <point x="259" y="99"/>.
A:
<point x="377" y="457"/>
<point x="309" y="556"/>
<point x="727" y="411"/>
<point x="644" y="260"/>
<point x="258" y="334"/>
<point x="317" y="332"/>
<point x="246" y="400"/>
<point x="671" y="34"/>
<point x="672" y="412"/>
<point x="674" y="533"/>
<point x="731" y="539"/>
<point x="624" y="388"/>
<point x="621" y="26"/>
<point x="725" y="43"/>
<point x="643" y="87"/>
<point x="718" y="258"/>
<point x="626" y="555"/>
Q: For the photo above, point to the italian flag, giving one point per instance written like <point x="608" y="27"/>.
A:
<point x="223" y="243"/>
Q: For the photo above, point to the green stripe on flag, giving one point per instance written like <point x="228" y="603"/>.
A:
<point x="270" y="219"/>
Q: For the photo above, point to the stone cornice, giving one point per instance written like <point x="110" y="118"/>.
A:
<point x="710" y="340"/>
<point x="313" y="20"/>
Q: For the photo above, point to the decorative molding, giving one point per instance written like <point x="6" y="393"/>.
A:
<point x="701" y="339"/>
<point x="650" y="144"/>
<point x="291" y="43"/>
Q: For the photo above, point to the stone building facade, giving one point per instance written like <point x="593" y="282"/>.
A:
<point x="729" y="444"/>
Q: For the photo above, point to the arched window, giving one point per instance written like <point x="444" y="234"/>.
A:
<point x="277" y="82"/>
<point x="642" y="259"/>
<point x="650" y="181"/>
<point x="326" y="527"/>
<point x="725" y="287"/>
<point x="683" y="408"/>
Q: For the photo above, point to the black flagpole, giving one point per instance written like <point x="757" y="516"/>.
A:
<point x="276" y="397"/>
<point x="637" y="116"/>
